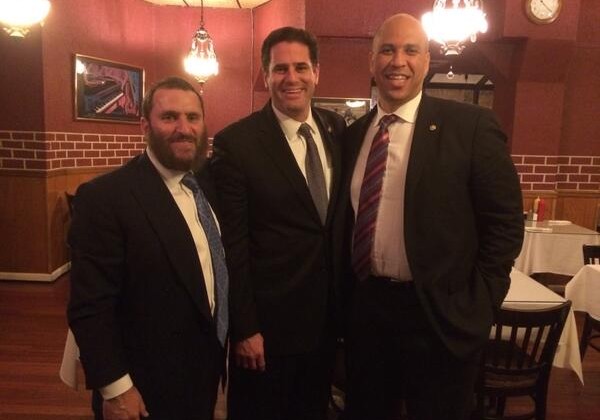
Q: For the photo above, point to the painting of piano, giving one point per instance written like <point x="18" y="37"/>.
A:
<point x="107" y="90"/>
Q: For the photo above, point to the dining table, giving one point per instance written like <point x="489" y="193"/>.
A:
<point x="584" y="290"/>
<point x="554" y="246"/>
<point x="526" y="293"/>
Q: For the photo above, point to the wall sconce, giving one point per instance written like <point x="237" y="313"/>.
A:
<point x="17" y="16"/>
<point x="201" y="62"/>
<point x="452" y="25"/>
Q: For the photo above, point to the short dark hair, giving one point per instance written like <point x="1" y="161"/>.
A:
<point x="172" y="82"/>
<point x="289" y="34"/>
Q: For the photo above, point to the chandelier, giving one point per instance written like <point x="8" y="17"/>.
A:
<point x="452" y="25"/>
<point x="16" y="16"/>
<point x="201" y="62"/>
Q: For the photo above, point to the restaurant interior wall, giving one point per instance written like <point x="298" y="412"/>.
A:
<point x="44" y="152"/>
<point x="269" y="16"/>
<point x="545" y="79"/>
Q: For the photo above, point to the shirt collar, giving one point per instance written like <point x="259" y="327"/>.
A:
<point x="290" y="126"/>
<point x="407" y="111"/>
<point x="171" y="177"/>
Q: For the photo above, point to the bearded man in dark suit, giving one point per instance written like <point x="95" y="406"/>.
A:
<point x="431" y="212"/>
<point x="277" y="174"/>
<point x="143" y="280"/>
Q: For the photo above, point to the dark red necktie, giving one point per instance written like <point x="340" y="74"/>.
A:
<point x="368" y="203"/>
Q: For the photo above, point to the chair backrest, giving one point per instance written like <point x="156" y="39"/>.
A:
<point x="591" y="254"/>
<point x="524" y="341"/>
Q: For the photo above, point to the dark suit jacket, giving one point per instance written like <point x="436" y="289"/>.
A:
<point x="463" y="217"/>
<point x="276" y="246"/>
<point x="138" y="300"/>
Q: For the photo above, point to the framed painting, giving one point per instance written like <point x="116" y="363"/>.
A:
<point x="107" y="90"/>
<point x="349" y="108"/>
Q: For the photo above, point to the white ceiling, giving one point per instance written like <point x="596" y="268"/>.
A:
<point x="235" y="4"/>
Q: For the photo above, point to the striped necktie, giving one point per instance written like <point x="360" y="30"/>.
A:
<point x="368" y="202"/>
<point x="217" y="256"/>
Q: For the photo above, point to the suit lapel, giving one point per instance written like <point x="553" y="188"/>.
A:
<point x="171" y="229"/>
<point x="424" y="143"/>
<point x="276" y="146"/>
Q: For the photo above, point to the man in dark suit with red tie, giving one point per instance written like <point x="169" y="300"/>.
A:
<point x="277" y="174"/>
<point x="146" y="279"/>
<point x="432" y="218"/>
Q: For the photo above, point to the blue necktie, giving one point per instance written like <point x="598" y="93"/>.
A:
<point x="217" y="255"/>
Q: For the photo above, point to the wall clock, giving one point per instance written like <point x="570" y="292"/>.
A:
<point x="542" y="11"/>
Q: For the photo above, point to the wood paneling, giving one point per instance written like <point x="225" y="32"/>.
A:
<point x="581" y="208"/>
<point x="23" y="224"/>
<point x="34" y="219"/>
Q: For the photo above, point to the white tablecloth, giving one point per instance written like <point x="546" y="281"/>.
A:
<point x="584" y="290"/>
<point x="526" y="293"/>
<point x="70" y="360"/>
<point x="550" y="248"/>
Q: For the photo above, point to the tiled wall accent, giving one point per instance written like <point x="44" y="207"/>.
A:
<point x="46" y="151"/>
<point x="540" y="173"/>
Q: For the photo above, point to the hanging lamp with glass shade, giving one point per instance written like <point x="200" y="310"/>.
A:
<point x="452" y="23"/>
<point x="201" y="62"/>
<point x="17" y="16"/>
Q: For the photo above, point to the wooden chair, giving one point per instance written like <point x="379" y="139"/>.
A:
<point x="591" y="326"/>
<point x="517" y="361"/>
<point x="591" y="254"/>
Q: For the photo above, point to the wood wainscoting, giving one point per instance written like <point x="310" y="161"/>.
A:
<point x="35" y="219"/>
<point x="580" y="207"/>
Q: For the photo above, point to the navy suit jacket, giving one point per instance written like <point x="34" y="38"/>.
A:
<point x="463" y="218"/>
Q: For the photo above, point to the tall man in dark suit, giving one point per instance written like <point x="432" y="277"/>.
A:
<point x="434" y="222"/>
<point x="145" y="271"/>
<point x="277" y="173"/>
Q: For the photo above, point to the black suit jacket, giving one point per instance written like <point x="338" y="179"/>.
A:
<point x="463" y="217"/>
<point x="278" y="251"/>
<point x="138" y="300"/>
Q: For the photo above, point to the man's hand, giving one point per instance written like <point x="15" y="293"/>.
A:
<point x="127" y="406"/>
<point x="250" y="353"/>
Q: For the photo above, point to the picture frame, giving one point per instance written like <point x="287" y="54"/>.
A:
<point x="107" y="90"/>
<point x="349" y="108"/>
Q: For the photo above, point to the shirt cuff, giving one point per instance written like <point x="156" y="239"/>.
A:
<point x="116" y="388"/>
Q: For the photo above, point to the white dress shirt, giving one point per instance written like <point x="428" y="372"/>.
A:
<point x="389" y="251"/>
<point x="184" y="198"/>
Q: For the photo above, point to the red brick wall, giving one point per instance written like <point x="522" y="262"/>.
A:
<point x="554" y="173"/>
<point x="39" y="151"/>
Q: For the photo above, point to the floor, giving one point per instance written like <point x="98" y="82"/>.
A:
<point x="33" y="331"/>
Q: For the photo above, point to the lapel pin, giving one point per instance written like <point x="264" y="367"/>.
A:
<point x="432" y="127"/>
<point x="329" y="129"/>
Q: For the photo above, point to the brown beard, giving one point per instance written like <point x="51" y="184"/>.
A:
<point x="165" y="156"/>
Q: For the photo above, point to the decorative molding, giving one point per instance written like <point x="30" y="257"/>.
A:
<point x="41" y="277"/>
